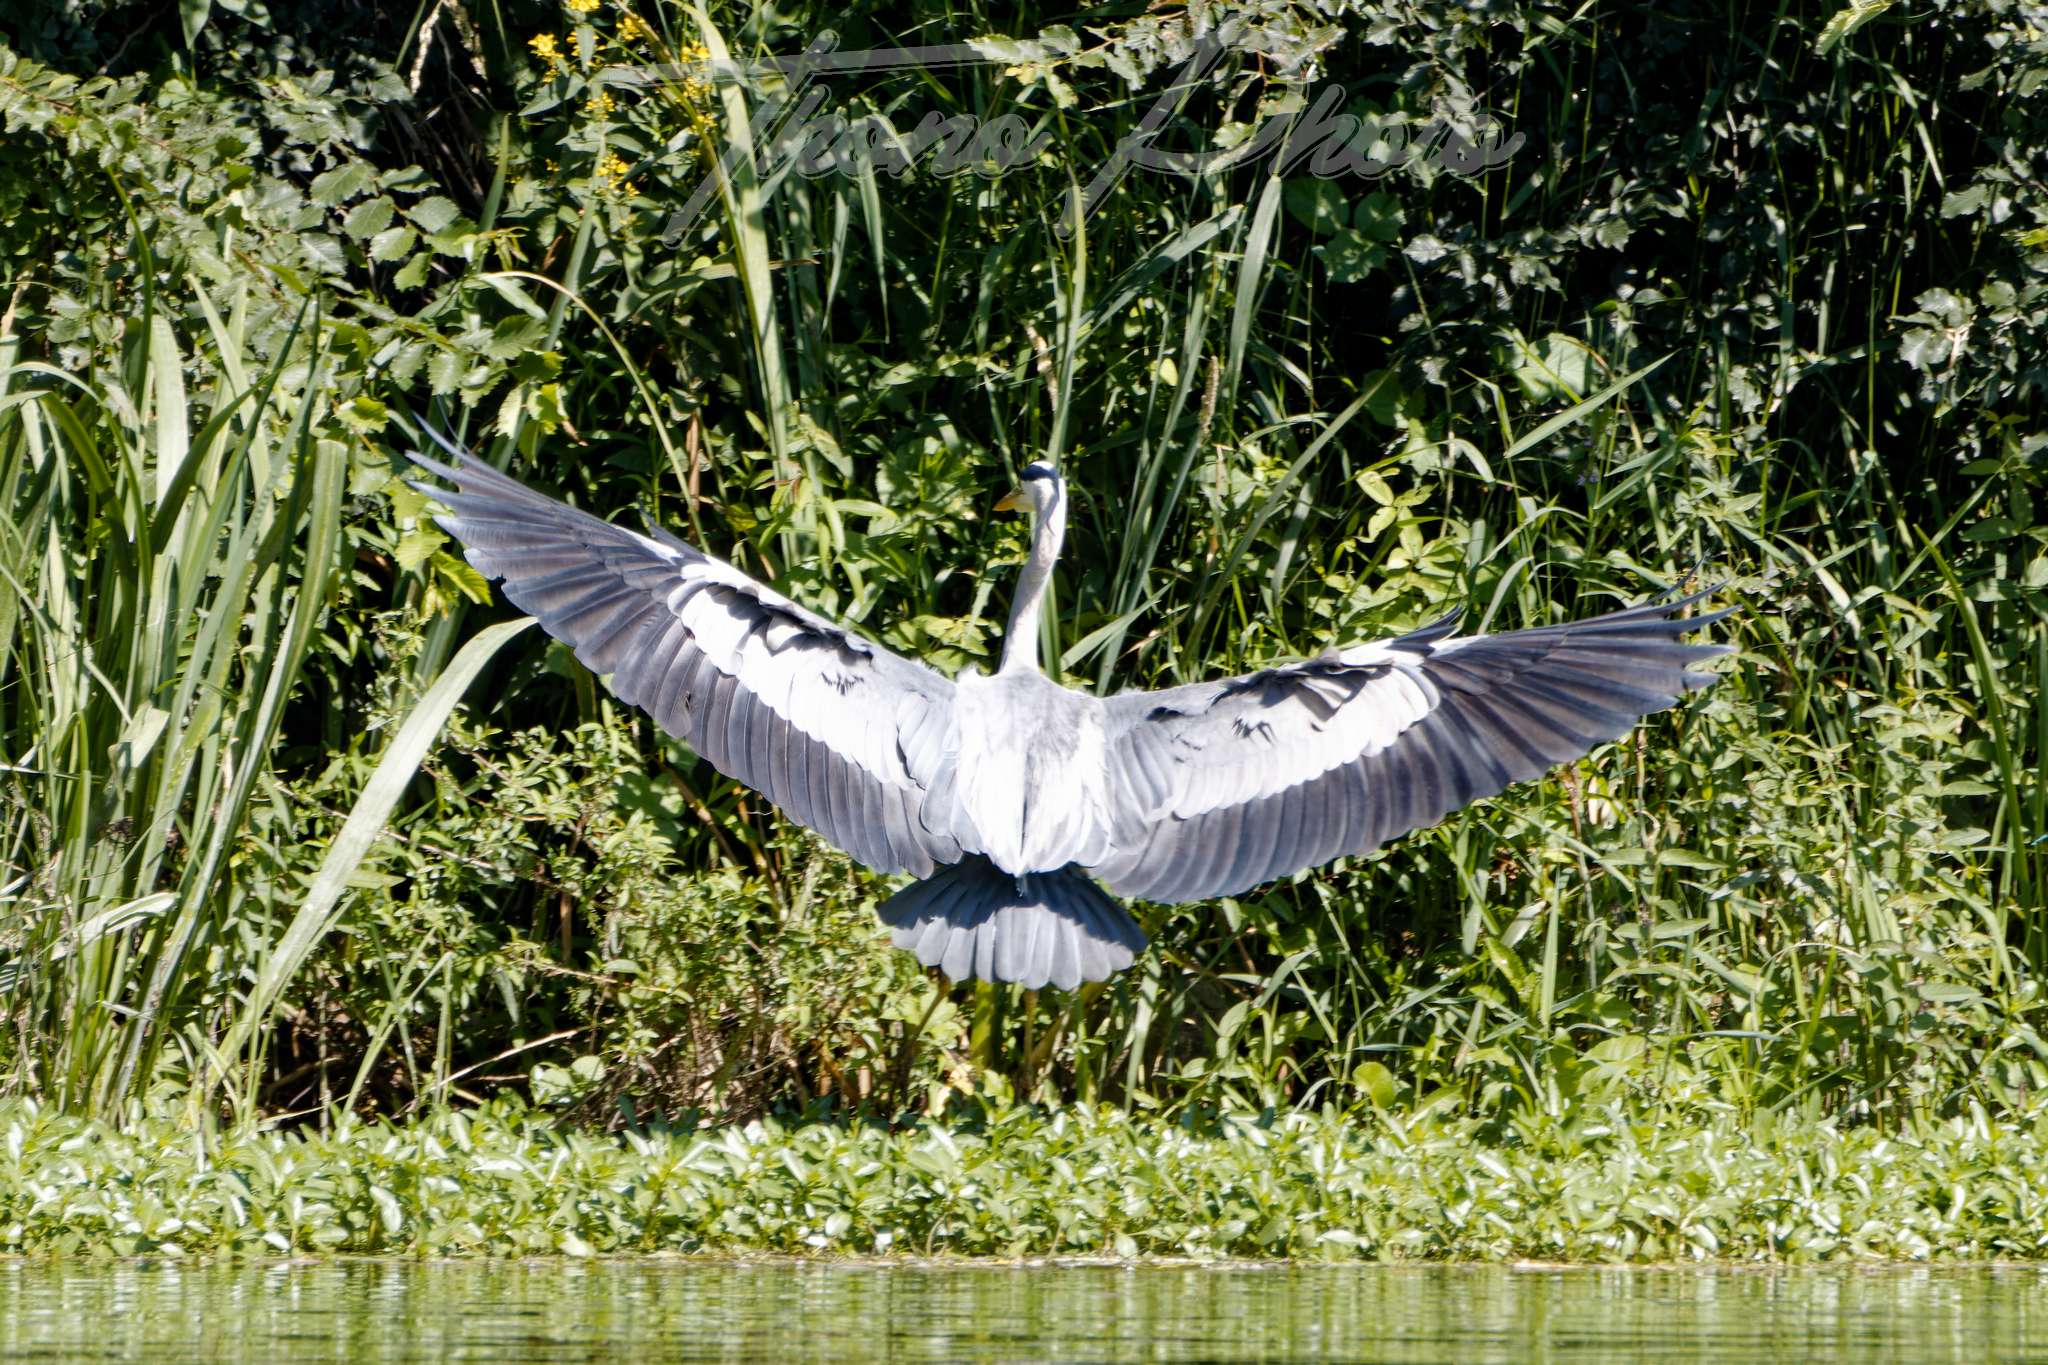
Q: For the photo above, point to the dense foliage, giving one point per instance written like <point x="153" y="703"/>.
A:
<point x="1010" y="1181"/>
<point x="1762" y="295"/>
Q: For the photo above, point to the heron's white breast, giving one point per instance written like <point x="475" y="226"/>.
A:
<point x="1033" y="773"/>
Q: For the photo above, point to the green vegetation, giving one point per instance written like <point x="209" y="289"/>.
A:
<point x="286" y="832"/>
<point x="499" y="1180"/>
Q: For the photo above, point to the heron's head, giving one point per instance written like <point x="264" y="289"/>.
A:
<point x="1037" y="488"/>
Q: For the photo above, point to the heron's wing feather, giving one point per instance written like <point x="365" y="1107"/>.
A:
<point x="837" y="731"/>
<point x="1242" y="780"/>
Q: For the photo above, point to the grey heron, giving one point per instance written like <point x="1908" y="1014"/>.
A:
<point x="1014" y="800"/>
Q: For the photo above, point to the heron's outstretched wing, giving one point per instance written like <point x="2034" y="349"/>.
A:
<point x="837" y="731"/>
<point x="1243" y="780"/>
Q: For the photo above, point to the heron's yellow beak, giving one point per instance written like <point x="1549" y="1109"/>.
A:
<point x="1010" y="501"/>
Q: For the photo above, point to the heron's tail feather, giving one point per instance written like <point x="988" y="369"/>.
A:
<point x="972" y="919"/>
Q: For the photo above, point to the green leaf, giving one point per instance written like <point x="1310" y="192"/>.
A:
<point x="1578" y="410"/>
<point x="365" y="414"/>
<point x="1379" y="216"/>
<point x="1620" y="1050"/>
<point x="413" y="273"/>
<point x="369" y="218"/>
<point x="1349" y="256"/>
<point x="1375" y="1082"/>
<point x="1847" y="20"/>
<point x="462" y="577"/>
<point x="317" y="914"/>
<point x="433" y="214"/>
<point x="173" y="432"/>
<point x="1947" y="993"/>
<point x="1962" y="202"/>
<point x="1924" y="348"/>
<point x="392" y="243"/>
<point x="417" y="546"/>
<point x="1316" y="204"/>
<point x="1558" y="366"/>
<point x="516" y="336"/>
<point x="515" y="294"/>
<point x="446" y="368"/>
<point x="343" y="182"/>
<point x="192" y="15"/>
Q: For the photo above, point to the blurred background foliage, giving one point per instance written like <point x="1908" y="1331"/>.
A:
<point x="1761" y="295"/>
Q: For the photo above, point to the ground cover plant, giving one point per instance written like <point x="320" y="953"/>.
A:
<point x="298" y="828"/>
<point x="1015" y="1182"/>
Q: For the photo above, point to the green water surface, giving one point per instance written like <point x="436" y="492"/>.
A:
<point x="376" y="1311"/>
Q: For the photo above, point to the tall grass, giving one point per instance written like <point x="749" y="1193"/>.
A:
<point x="164" y="572"/>
<point x="166" y="566"/>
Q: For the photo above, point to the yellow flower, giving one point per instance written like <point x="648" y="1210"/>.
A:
<point x="612" y="170"/>
<point x="694" y="87"/>
<point x="632" y="28"/>
<point x="583" y="6"/>
<point x="544" y="47"/>
<point x="600" y="104"/>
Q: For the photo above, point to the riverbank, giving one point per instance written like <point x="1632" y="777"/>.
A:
<point x="502" y="1181"/>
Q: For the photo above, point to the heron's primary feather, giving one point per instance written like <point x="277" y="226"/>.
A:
<point x="1246" y="779"/>
<point x="837" y="731"/>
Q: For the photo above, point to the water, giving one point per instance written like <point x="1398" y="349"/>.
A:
<point x="311" y="1313"/>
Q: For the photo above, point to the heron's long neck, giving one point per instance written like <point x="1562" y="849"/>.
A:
<point x="1020" y="640"/>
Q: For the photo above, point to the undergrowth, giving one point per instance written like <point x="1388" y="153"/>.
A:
<point x="1004" y="1181"/>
